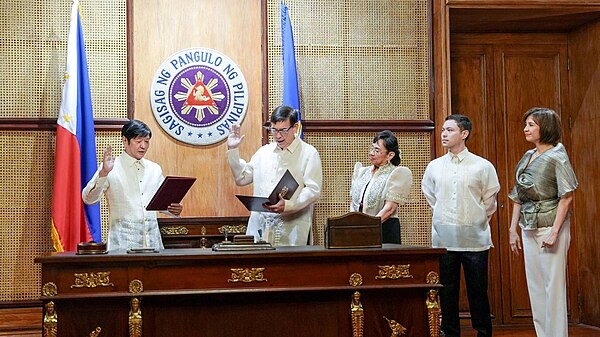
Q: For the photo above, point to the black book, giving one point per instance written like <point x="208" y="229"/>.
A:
<point x="286" y="185"/>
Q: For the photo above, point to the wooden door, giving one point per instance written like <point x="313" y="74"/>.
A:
<point x="495" y="84"/>
<point x="472" y="69"/>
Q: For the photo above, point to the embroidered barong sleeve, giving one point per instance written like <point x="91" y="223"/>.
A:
<point x="312" y="181"/>
<point x="355" y="186"/>
<point x="242" y="171"/>
<point x="94" y="189"/>
<point x="399" y="184"/>
<point x="428" y="187"/>
<point x="490" y="189"/>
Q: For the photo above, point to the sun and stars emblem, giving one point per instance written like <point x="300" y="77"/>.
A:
<point x="199" y="96"/>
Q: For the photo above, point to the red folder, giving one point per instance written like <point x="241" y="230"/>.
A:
<point x="172" y="190"/>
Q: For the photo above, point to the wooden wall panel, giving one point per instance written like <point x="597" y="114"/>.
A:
<point x="584" y="48"/>
<point x="231" y="27"/>
<point x="472" y="85"/>
<point x="495" y="81"/>
<point x="526" y="76"/>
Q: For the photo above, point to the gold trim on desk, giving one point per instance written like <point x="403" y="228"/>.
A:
<point x="397" y="328"/>
<point x="50" y="324"/>
<point x="355" y="280"/>
<point x="247" y="275"/>
<point x="434" y="313"/>
<point x="135" y="319"/>
<point x="394" y="272"/>
<point x="136" y="286"/>
<point x="433" y="278"/>
<point x="233" y="229"/>
<point x="49" y="289"/>
<point x="92" y="280"/>
<point x="174" y="230"/>
<point x="357" y="315"/>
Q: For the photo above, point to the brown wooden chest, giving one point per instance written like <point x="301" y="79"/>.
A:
<point x="353" y="230"/>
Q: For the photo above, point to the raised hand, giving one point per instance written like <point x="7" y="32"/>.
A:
<point x="234" y="139"/>
<point x="108" y="162"/>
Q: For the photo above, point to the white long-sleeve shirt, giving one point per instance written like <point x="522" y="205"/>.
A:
<point x="461" y="190"/>
<point x="128" y="188"/>
<point x="265" y="169"/>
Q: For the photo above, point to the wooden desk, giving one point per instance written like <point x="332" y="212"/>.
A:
<point x="291" y="291"/>
<point x="199" y="232"/>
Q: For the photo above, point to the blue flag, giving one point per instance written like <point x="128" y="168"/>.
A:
<point x="291" y="96"/>
<point x="75" y="162"/>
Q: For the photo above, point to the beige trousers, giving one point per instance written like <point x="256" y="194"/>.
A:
<point x="546" y="273"/>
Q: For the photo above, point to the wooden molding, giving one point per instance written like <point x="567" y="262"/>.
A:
<point x="592" y="4"/>
<point x="405" y="125"/>
<point x="50" y="124"/>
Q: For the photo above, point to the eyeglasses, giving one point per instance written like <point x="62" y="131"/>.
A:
<point x="274" y="131"/>
<point x="376" y="150"/>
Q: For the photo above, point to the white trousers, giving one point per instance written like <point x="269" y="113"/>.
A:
<point x="546" y="273"/>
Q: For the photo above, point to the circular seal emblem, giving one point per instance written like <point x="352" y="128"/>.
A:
<point x="197" y="94"/>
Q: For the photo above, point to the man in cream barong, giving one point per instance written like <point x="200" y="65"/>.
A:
<point x="461" y="189"/>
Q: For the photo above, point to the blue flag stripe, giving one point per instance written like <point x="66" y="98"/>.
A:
<point x="291" y="96"/>
<point x="86" y="134"/>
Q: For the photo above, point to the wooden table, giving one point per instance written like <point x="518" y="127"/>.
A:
<point x="291" y="291"/>
<point x="199" y="232"/>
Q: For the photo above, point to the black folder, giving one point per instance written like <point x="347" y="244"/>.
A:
<point x="172" y="190"/>
<point x="287" y="184"/>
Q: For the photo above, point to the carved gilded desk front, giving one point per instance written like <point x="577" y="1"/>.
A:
<point x="291" y="291"/>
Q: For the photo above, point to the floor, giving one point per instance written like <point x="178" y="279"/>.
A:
<point x="574" y="331"/>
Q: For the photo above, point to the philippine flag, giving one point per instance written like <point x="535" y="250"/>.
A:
<point x="291" y="94"/>
<point x="75" y="161"/>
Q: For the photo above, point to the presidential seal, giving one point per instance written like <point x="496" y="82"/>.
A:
<point x="197" y="94"/>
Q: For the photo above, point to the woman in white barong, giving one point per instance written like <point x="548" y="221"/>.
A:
<point x="380" y="188"/>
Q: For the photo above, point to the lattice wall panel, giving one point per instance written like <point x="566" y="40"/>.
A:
<point x="33" y="40"/>
<point x="355" y="59"/>
<point x="103" y="139"/>
<point x="340" y="151"/>
<point x="26" y="177"/>
<point x="26" y="185"/>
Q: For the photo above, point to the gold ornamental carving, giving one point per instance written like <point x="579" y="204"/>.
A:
<point x="136" y="287"/>
<point x="357" y="315"/>
<point x="394" y="272"/>
<point x="174" y="230"/>
<point x="203" y="230"/>
<point x="397" y="328"/>
<point x="433" y="278"/>
<point x="50" y="324"/>
<point x="233" y="229"/>
<point x="355" y="280"/>
<point x="135" y="318"/>
<point x="434" y="313"/>
<point x="49" y="289"/>
<point x="92" y="280"/>
<point x="247" y="275"/>
<point x="96" y="332"/>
